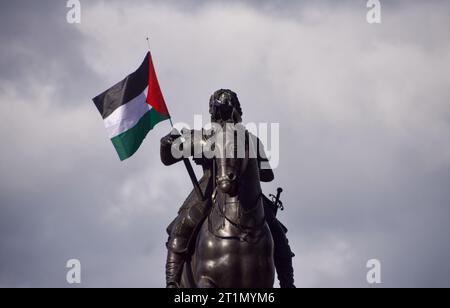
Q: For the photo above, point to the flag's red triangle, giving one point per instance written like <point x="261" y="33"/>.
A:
<point x="155" y="97"/>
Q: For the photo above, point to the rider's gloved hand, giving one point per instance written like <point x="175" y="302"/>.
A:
<point x="171" y="137"/>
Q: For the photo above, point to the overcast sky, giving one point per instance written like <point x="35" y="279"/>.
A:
<point x="364" y="113"/>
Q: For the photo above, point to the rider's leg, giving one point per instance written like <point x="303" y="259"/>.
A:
<point x="181" y="232"/>
<point x="282" y="251"/>
<point x="174" y="268"/>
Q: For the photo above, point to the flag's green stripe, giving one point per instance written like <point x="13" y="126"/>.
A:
<point x="128" y="142"/>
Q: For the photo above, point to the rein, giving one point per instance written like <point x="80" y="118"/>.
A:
<point x="246" y="231"/>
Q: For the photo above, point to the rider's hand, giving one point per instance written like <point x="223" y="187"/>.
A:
<point x="171" y="137"/>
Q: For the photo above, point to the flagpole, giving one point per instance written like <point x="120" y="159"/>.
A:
<point x="186" y="161"/>
<point x="148" y="43"/>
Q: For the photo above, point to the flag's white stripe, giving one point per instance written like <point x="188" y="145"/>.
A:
<point x="126" y="116"/>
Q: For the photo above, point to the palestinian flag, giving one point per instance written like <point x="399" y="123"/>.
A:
<point x="128" y="113"/>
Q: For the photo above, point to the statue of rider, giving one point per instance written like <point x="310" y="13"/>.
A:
<point x="224" y="106"/>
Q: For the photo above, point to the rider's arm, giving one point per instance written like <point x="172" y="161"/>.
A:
<point x="265" y="174"/>
<point x="171" y="144"/>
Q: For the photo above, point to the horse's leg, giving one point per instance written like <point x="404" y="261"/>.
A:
<point x="183" y="280"/>
<point x="206" y="282"/>
<point x="201" y="275"/>
<point x="187" y="277"/>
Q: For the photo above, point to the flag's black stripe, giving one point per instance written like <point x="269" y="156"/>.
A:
<point x="124" y="91"/>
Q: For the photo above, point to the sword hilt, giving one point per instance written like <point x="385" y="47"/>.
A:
<point x="276" y="199"/>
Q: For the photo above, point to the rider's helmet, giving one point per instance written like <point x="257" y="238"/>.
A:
<point x="224" y="106"/>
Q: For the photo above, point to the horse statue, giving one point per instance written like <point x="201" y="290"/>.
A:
<point x="234" y="246"/>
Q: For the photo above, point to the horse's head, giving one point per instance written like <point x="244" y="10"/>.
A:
<point x="231" y="157"/>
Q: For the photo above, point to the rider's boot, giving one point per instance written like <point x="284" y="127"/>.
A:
<point x="174" y="268"/>
<point x="282" y="254"/>
<point x="285" y="272"/>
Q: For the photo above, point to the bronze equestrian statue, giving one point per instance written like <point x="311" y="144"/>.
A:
<point x="225" y="239"/>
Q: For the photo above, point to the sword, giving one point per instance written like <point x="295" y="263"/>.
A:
<point x="276" y="199"/>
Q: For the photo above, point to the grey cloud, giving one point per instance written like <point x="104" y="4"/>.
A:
<point x="39" y="48"/>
